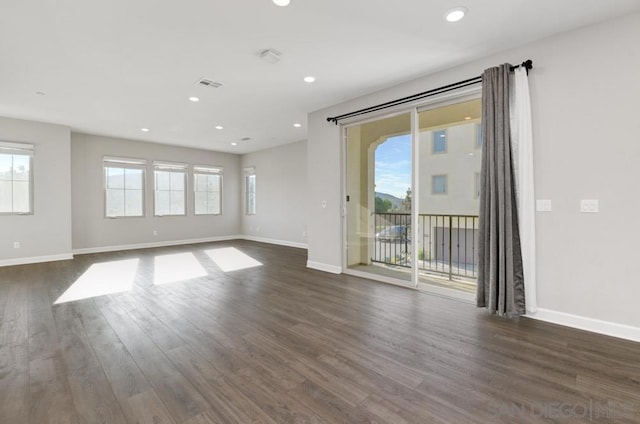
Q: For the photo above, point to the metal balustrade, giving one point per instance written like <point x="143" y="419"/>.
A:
<point x="447" y="244"/>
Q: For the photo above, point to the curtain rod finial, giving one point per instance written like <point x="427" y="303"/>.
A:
<point x="527" y="64"/>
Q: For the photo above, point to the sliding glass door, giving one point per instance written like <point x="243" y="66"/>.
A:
<point x="378" y="197"/>
<point x="412" y="197"/>
<point x="449" y="143"/>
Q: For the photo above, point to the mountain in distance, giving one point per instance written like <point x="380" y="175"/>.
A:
<point x="395" y="201"/>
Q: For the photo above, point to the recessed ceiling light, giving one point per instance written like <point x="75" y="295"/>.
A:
<point x="297" y="125"/>
<point x="219" y="127"/>
<point x="281" y="2"/>
<point x="194" y="99"/>
<point x="234" y="143"/>
<point x="144" y="129"/>
<point x="309" y="79"/>
<point x="466" y="118"/>
<point x="442" y="135"/>
<point x="455" y="14"/>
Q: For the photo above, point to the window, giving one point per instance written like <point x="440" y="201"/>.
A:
<point x="478" y="135"/>
<point x="124" y="187"/>
<point x="440" y="141"/>
<point x="250" y="190"/>
<point x="16" y="178"/>
<point x="170" y="188"/>
<point x="207" y="185"/>
<point x="439" y="184"/>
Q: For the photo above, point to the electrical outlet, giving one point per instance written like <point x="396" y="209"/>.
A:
<point x="16" y="245"/>
<point x="589" y="206"/>
<point x="543" y="205"/>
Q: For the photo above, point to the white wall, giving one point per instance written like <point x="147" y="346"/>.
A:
<point x="585" y="92"/>
<point x="91" y="230"/>
<point x="281" y="195"/>
<point x="69" y="196"/>
<point x="47" y="233"/>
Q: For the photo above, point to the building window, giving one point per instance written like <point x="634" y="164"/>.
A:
<point x="124" y="187"/>
<point x="170" y="189"/>
<point x="439" y="184"/>
<point x="440" y="141"/>
<point x="250" y="190"/>
<point x="207" y="186"/>
<point x="478" y="135"/>
<point x="16" y="178"/>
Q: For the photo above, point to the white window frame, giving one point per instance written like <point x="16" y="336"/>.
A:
<point x="207" y="170"/>
<point x="446" y="142"/>
<point x="476" y="185"/>
<point x="170" y="167"/>
<point x="250" y="201"/>
<point x="19" y="149"/>
<point x="123" y="163"/>
<point x="446" y="185"/>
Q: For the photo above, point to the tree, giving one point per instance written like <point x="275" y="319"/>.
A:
<point x="383" y="206"/>
<point x="406" y="203"/>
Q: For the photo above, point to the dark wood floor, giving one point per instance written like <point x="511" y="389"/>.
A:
<point x="282" y="344"/>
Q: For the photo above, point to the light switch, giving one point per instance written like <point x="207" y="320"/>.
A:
<point x="324" y="204"/>
<point x="589" y="206"/>
<point x="543" y="205"/>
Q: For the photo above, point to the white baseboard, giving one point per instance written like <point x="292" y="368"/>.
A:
<point x="275" y="241"/>
<point x="36" y="259"/>
<point x="168" y="243"/>
<point x="588" y="324"/>
<point x="324" y="267"/>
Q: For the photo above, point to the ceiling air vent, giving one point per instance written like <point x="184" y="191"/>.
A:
<point x="271" y="56"/>
<point x="205" y="82"/>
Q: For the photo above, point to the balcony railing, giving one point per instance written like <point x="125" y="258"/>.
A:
<point x="447" y="243"/>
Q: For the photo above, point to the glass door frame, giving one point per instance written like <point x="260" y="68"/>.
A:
<point x="466" y="94"/>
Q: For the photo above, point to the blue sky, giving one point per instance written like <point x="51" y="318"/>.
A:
<point x="393" y="166"/>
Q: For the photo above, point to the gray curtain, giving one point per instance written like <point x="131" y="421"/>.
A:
<point x="500" y="277"/>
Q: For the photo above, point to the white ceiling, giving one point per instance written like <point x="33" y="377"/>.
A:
<point x="111" y="67"/>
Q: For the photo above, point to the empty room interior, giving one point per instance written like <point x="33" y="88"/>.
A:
<point x="274" y="211"/>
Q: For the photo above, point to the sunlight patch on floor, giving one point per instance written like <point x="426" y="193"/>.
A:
<point x="100" y="279"/>
<point x="231" y="259"/>
<point x="176" y="267"/>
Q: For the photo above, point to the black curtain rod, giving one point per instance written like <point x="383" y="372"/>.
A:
<point x="528" y="64"/>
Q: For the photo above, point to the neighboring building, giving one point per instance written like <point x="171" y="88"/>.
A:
<point x="449" y="169"/>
